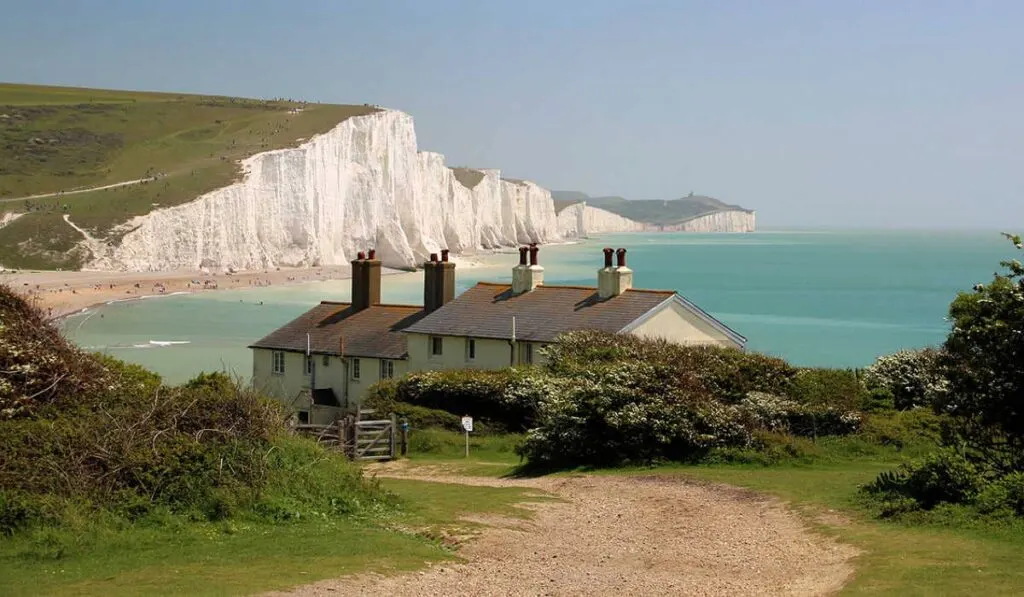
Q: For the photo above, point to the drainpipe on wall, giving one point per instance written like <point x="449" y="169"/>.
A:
<point x="512" y="344"/>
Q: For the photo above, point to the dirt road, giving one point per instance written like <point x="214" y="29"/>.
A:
<point x="615" y="535"/>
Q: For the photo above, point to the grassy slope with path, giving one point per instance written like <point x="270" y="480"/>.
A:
<point x="59" y="139"/>
<point x="240" y="558"/>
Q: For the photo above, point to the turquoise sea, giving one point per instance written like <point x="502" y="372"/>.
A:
<point x="816" y="298"/>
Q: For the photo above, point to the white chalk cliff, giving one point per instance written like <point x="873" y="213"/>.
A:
<point x="719" y="221"/>
<point x="361" y="185"/>
<point x="580" y="220"/>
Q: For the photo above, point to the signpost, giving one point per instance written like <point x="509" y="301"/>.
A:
<point x="467" y="424"/>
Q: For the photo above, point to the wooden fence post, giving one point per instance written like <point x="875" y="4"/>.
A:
<point x="394" y="435"/>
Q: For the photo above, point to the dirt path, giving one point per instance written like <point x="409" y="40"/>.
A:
<point x="626" y="536"/>
<point x="78" y="191"/>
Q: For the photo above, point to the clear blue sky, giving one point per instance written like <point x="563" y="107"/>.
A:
<point x="816" y="113"/>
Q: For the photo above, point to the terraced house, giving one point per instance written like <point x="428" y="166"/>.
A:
<point x="322" y="363"/>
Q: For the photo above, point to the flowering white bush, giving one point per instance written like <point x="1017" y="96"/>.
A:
<point x="914" y="377"/>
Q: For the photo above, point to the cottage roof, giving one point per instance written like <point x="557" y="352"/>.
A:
<point x="486" y="311"/>
<point x="336" y="329"/>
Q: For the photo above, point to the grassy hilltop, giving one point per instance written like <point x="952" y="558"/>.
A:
<point x="59" y="139"/>
<point x="649" y="211"/>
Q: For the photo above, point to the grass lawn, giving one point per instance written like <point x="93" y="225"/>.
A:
<point x="489" y="455"/>
<point x="242" y="558"/>
<point x="60" y="139"/>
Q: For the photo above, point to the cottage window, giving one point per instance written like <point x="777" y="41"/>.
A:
<point x="327" y="360"/>
<point x="387" y="369"/>
<point x="470" y="349"/>
<point x="355" y="368"/>
<point x="436" y="346"/>
<point x="278" y="363"/>
<point x="303" y="417"/>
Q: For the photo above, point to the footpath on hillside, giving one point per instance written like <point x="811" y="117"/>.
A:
<point x="622" y="535"/>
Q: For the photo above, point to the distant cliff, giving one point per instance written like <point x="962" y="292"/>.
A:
<point x="580" y="220"/>
<point x="720" y="221"/>
<point x="694" y="213"/>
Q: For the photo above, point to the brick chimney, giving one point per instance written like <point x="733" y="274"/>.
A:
<point x="622" y="280"/>
<point x="527" y="277"/>
<point x="606" y="275"/>
<point x="365" y="280"/>
<point x="438" y="282"/>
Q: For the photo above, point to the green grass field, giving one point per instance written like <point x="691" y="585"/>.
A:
<point x="239" y="558"/>
<point x="55" y="139"/>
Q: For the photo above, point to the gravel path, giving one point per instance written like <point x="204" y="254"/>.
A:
<point x="615" y="535"/>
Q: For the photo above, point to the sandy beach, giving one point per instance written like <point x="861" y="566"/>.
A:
<point x="62" y="293"/>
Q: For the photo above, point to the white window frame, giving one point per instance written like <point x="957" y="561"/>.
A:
<point x="440" y="343"/>
<point x="277" y="362"/>
<point x="387" y="369"/>
<point x="356" y="369"/>
<point x="470" y="350"/>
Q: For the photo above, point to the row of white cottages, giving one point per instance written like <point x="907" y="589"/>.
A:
<point x="322" y="363"/>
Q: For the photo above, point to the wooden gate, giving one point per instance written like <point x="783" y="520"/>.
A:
<point x="359" y="437"/>
<point x="375" y="439"/>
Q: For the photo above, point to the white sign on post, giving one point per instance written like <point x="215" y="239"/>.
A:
<point x="467" y="424"/>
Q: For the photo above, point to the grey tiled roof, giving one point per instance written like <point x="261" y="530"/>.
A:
<point x="335" y="329"/>
<point x="486" y="311"/>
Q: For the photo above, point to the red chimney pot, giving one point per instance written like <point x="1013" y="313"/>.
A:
<point x="433" y="257"/>
<point x="620" y="257"/>
<point x="372" y="254"/>
<point x="608" y="251"/>
<point x="522" y="255"/>
<point x="444" y="254"/>
<point x="360" y="255"/>
<point x="533" y="254"/>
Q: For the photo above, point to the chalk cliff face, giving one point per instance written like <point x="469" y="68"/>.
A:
<point x="721" y="221"/>
<point x="580" y="221"/>
<point x="361" y="185"/>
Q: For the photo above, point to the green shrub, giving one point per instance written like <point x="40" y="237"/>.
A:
<point x="837" y="388"/>
<point x="781" y="415"/>
<point x="901" y="429"/>
<point x="626" y="413"/>
<point x="1003" y="496"/>
<point x="499" y="400"/>
<point x="725" y="373"/>
<point x="913" y="377"/>
<point x="878" y="400"/>
<point x="40" y="367"/>
<point x="381" y="398"/>
<point x="767" y="448"/>
<point x="17" y="511"/>
<point x="304" y="479"/>
<point x="940" y="477"/>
